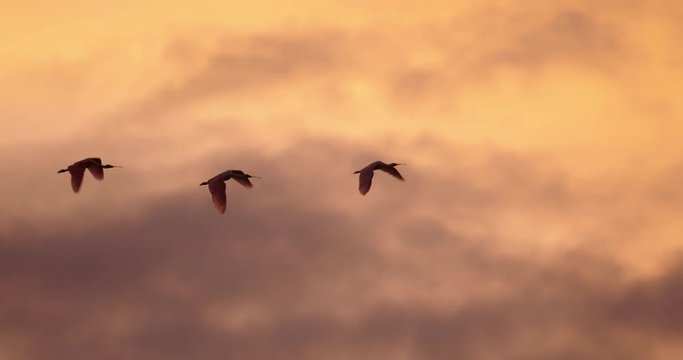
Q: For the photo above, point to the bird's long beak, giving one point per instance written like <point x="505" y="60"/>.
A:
<point x="204" y="183"/>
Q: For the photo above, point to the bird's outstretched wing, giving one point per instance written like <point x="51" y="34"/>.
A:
<point x="217" y="189"/>
<point x="76" y="177"/>
<point x="94" y="165"/>
<point x="365" y="180"/>
<point x="244" y="181"/>
<point x="392" y="171"/>
<point x="96" y="170"/>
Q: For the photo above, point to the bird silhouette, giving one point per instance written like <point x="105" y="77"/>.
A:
<point x="217" y="186"/>
<point x="77" y="169"/>
<point x="366" y="174"/>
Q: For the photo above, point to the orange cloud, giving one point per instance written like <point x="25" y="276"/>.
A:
<point x="541" y="196"/>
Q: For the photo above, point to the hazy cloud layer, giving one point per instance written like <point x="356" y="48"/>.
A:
<point x="302" y="266"/>
<point x="539" y="218"/>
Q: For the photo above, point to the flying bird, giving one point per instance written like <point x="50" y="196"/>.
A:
<point x="366" y="174"/>
<point x="77" y="169"/>
<point x="217" y="186"/>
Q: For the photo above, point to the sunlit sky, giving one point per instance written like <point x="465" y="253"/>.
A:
<point x="539" y="219"/>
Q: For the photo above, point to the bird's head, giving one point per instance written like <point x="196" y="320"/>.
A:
<point x="109" y="166"/>
<point x="394" y="164"/>
<point x="252" y="176"/>
<point x="357" y="172"/>
<point x="204" y="183"/>
<point x="61" y="171"/>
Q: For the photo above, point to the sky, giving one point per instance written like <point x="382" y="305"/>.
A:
<point x="539" y="219"/>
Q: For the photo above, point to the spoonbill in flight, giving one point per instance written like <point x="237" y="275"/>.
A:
<point x="94" y="165"/>
<point x="366" y="174"/>
<point x="217" y="186"/>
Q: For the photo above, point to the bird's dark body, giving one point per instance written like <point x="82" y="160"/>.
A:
<point x="217" y="186"/>
<point x="93" y="164"/>
<point x="366" y="174"/>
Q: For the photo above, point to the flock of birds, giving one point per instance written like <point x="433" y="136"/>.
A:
<point x="217" y="183"/>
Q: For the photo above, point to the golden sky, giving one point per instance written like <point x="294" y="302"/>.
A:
<point x="540" y="217"/>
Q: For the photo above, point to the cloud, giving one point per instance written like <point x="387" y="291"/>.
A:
<point x="420" y="62"/>
<point x="301" y="284"/>
<point x="488" y="250"/>
<point x="301" y="266"/>
<point x="485" y="42"/>
<point x="238" y="65"/>
<point x="568" y="35"/>
<point x="652" y="306"/>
